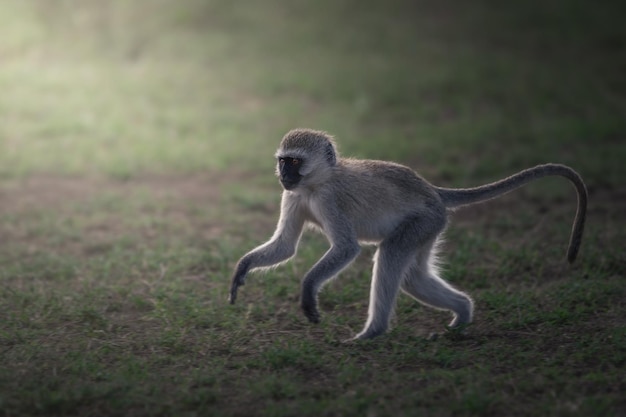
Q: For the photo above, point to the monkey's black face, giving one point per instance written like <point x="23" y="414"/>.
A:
<point x="289" y="172"/>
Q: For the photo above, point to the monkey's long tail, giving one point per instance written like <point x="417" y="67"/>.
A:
<point x="455" y="197"/>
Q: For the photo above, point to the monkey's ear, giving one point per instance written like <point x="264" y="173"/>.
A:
<point x="330" y="154"/>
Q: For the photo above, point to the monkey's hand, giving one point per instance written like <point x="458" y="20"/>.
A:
<point x="233" y="291"/>
<point x="239" y="279"/>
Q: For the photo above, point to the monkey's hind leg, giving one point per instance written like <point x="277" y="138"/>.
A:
<point x="383" y="293"/>
<point x="423" y="283"/>
<point x="393" y="257"/>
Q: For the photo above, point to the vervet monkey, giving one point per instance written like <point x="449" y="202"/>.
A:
<point x="356" y="201"/>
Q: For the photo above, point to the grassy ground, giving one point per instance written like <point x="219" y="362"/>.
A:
<point x="136" y="143"/>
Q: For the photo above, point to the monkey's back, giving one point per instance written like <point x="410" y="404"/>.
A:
<point x="380" y="195"/>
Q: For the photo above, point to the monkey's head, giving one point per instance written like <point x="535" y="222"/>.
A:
<point x="305" y="158"/>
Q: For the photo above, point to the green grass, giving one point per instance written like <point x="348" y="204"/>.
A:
<point x="136" y="143"/>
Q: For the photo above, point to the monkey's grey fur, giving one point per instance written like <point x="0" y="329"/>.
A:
<point x="377" y="202"/>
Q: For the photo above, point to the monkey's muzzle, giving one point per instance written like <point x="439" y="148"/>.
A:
<point x="288" y="184"/>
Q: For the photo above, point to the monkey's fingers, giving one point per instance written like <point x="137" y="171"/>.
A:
<point x="237" y="281"/>
<point x="233" y="290"/>
<point x="233" y="293"/>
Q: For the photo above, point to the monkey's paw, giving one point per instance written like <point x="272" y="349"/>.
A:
<point x="311" y="313"/>
<point x="233" y="291"/>
<point x="457" y="332"/>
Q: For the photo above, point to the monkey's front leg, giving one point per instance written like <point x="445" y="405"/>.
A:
<point x="336" y="259"/>
<point x="268" y="254"/>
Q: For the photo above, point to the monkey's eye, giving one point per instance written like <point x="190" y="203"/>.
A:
<point x="289" y="161"/>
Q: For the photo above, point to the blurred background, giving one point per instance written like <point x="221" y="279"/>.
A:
<point x="136" y="167"/>
<point x="456" y="89"/>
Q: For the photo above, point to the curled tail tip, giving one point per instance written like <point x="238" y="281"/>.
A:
<point x="574" y="247"/>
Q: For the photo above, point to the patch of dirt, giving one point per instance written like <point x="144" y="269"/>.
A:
<point x="602" y="201"/>
<point x="54" y="192"/>
<point x="88" y="216"/>
<point x="606" y="208"/>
